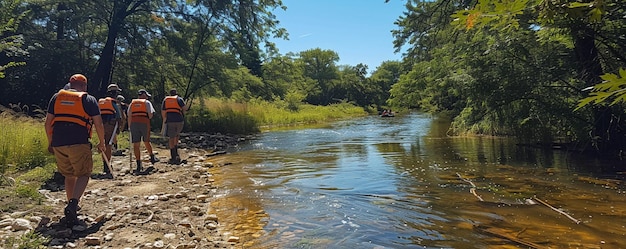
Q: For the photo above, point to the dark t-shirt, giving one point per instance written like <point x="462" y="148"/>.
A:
<point x="68" y="133"/>
<point x="175" y="116"/>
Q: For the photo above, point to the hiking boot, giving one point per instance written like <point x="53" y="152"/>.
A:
<point x="175" y="161"/>
<point x="71" y="215"/>
<point x="105" y="169"/>
<point x="154" y="159"/>
<point x="138" y="170"/>
<point x="117" y="153"/>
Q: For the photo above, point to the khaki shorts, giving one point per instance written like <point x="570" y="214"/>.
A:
<point x="139" y="132"/>
<point x="174" y="129"/>
<point x="74" y="160"/>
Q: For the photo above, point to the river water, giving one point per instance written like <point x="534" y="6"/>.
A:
<point x="402" y="183"/>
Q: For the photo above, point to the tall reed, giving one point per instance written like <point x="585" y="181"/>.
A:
<point x="228" y="116"/>
<point x="23" y="143"/>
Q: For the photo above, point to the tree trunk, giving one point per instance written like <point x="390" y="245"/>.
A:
<point x="605" y="134"/>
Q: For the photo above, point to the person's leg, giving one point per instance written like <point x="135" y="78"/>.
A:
<point x="136" y="150"/>
<point x="70" y="186"/>
<point x="80" y="184"/>
<point x="136" y="131"/>
<point x="75" y="185"/>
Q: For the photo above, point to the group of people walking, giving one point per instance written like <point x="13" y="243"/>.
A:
<point x="72" y="113"/>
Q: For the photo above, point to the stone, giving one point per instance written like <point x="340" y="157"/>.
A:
<point x="211" y="217"/>
<point x="169" y="236"/>
<point x="21" y="224"/>
<point x="92" y="241"/>
<point x="158" y="244"/>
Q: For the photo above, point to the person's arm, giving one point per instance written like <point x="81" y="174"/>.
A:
<point x="184" y="107"/>
<point x="48" y="127"/>
<point x="163" y="112"/>
<point x="130" y="117"/>
<point x="150" y="110"/>
<point x="97" y="122"/>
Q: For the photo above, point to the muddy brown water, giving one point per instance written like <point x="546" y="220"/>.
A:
<point x="402" y="183"/>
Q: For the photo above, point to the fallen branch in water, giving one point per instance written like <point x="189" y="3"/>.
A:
<point x="500" y="234"/>
<point x="557" y="210"/>
<point x="473" y="189"/>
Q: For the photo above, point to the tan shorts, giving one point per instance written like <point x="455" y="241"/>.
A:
<point x="74" y="160"/>
<point x="174" y="129"/>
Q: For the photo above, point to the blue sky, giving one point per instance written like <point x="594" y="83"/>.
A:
<point x="358" y="30"/>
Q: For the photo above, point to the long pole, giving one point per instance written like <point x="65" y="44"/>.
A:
<point x="130" y="149"/>
<point x="108" y="163"/>
<point x="114" y="134"/>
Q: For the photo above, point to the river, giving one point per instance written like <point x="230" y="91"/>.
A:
<point x="402" y="183"/>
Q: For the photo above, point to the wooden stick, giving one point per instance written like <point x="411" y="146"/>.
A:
<point x="557" y="210"/>
<point x="493" y="232"/>
<point x="108" y="163"/>
<point x="473" y="189"/>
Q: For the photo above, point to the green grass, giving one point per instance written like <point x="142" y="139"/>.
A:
<point x="228" y="116"/>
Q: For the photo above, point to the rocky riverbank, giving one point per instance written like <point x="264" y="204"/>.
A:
<point x="167" y="207"/>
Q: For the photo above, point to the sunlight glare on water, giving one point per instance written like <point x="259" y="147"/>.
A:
<point x="402" y="183"/>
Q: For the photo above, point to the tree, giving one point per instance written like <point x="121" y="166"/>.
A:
<point x="320" y="65"/>
<point x="10" y="42"/>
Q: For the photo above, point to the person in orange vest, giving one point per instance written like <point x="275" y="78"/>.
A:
<point x="173" y="110"/>
<point x="71" y="114"/>
<point x="139" y="114"/>
<point x="111" y="117"/>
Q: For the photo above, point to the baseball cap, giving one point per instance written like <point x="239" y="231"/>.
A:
<point x="78" y="78"/>
<point x="142" y="91"/>
<point x="113" y="87"/>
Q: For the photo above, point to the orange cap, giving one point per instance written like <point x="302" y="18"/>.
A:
<point x="78" y="78"/>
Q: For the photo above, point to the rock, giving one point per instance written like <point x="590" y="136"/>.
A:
<point x="21" y="224"/>
<point x="185" y="223"/>
<point x="233" y="239"/>
<point x="92" y="241"/>
<point x="211" y="217"/>
<point x="35" y="219"/>
<point x="6" y="222"/>
<point x="169" y="236"/>
<point x="158" y="244"/>
<point x="202" y="198"/>
<point x="108" y="236"/>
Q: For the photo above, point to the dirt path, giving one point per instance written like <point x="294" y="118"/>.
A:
<point x="167" y="208"/>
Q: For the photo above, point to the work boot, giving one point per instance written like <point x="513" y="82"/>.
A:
<point x="71" y="216"/>
<point x="175" y="159"/>
<point x="138" y="170"/>
<point x="105" y="168"/>
<point x="154" y="159"/>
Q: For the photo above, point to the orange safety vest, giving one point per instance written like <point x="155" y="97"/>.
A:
<point x="68" y="107"/>
<point x="139" y="110"/>
<point x="106" y="106"/>
<point x="171" y="105"/>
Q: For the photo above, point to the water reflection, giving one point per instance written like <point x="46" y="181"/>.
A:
<point x="402" y="183"/>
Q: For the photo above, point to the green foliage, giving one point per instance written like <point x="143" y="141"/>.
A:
<point x="22" y="146"/>
<point x="227" y="116"/>
<point x="29" y="240"/>
<point x="612" y="90"/>
<point x="10" y="41"/>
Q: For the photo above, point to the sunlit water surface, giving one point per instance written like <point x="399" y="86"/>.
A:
<point x="402" y="183"/>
